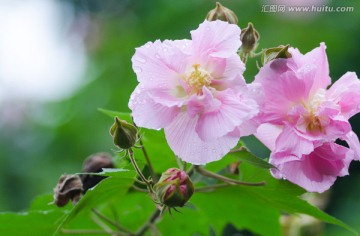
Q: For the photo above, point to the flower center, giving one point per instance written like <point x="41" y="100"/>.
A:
<point x="312" y="120"/>
<point x="197" y="78"/>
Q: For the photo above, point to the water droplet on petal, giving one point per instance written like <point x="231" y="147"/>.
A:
<point x="137" y="69"/>
<point x="141" y="59"/>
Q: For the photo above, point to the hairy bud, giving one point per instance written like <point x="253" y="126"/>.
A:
<point x="275" y="53"/>
<point x="174" y="188"/>
<point x="222" y="13"/>
<point x="249" y="38"/>
<point x="94" y="164"/>
<point x="124" y="134"/>
<point x="68" y="188"/>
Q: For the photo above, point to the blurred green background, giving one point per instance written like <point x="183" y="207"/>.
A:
<point x="40" y="139"/>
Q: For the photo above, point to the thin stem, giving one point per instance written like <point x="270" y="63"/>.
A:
<point x="155" y="215"/>
<point x="190" y="171"/>
<point x="113" y="223"/>
<point x="151" y="169"/>
<point x="211" y="187"/>
<point x="106" y="228"/>
<point x="225" y="179"/>
<point x="240" y="149"/>
<point x="132" y="159"/>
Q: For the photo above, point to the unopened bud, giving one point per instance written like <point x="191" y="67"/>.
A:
<point x="68" y="188"/>
<point x="124" y="134"/>
<point x="94" y="164"/>
<point x="249" y="38"/>
<point x="275" y="53"/>
<point x="174" y="188"/>
<point x="222" y="13"/>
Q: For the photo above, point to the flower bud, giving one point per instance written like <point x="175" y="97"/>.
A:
<point x="124" y="134"/>
<point x="249" y="38"/>
<point x="68" y="187"/>
<point x="174" y="188"/>
<point x="94" y="164"/>
<point x="275" y="53"/>
<point x="222" y="13"/>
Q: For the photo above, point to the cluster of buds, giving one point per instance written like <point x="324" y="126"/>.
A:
<point x="174" y="188"/>
<point x="72" y="187"/>
<point x="249" y="36"/>
<point x="125" y="135"/>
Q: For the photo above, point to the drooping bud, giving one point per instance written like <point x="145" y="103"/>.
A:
<point x="124" y="134"/>
<point x="249" y="38"/>
<point x="275" y="53"/>
<point x="222" y="13"/>
<point x="94" y="164"/>
<point x="174" y="188"/>
<point x="68" y="188"/>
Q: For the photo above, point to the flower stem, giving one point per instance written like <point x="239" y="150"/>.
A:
<point x="137" y="169"/>
<point x="155" y="215"/>
<point x="113" y="223"/>
<point x="151" y="169"/>
<point x="225" y="179"/>
<point x="211" y="187"/>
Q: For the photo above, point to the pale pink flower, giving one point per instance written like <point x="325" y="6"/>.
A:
<point x="195" y="90"/>
<point x="308" y="117"/>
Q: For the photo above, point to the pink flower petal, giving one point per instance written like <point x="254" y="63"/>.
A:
<point x="267" y="134"/>
<point x="186" y="144"/>
<point x="315" y="59"/>
<point x="215" y="123"/>
<point x="317" y="171"/>
<point x="353" y="141"/>
<point x="159" y="64"/>
<point x="216" y="38"/>
<point x="291" y="143"/>
<point x="346" y="92"/>
<point x="146" y="113"/>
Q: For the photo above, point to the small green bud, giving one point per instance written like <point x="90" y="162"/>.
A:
<point x="275" y="53"/>
<point x="222" y="13"/>
<point x="249" y="38"/>
<point x="174" y="188"/>
<point x="124" y="134"/>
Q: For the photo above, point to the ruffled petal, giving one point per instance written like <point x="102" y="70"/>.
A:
<point x="314" y="60"/>
<point x="159" y="64"/>
<point x="353" y="141"/>
<point x="231" y="113"/>
<point x="346" y="93"/>
<point x="149" y="114"/>
<point x="267" y="134"/>
<point x="216" y="38"/>
<point x="317" y="171"/>
<point x="186" y="144"/>
<point x="291" y="143"/>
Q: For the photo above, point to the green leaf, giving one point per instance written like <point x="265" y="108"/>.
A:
<point x="243" y="156"/>
<point x="30" y="223"/>
<point x="122" y="115"/>
<point x="116" y="186"/>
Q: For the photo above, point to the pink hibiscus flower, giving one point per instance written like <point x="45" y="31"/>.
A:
<point x="195" y="90"/>
<point x="304" y="119"/>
